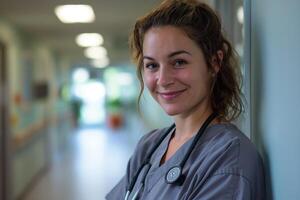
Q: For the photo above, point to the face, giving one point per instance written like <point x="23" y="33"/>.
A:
<point x="175" y="71"/>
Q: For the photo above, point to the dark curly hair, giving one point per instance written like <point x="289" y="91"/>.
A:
<point x="203" y="26"/>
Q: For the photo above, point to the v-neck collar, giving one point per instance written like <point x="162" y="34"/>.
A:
<point x="175" y="159"/>
<point x="158" y="171"/>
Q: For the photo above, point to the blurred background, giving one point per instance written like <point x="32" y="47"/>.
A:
<point x="68" y="93"/>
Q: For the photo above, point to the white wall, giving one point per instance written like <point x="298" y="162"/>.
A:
<point x="275" y="63"/>
<point x="31" y="158"/>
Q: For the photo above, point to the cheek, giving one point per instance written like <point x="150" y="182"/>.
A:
<point x="149" y="81"/>
<point x="196" y="79"/>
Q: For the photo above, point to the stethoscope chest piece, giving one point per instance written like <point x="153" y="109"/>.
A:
<point x="174" y="175"/>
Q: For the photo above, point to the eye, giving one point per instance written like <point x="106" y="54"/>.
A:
<point x="151" y="66"/>
<point x="179" y="62"/>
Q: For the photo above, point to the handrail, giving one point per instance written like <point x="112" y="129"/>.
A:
<point x="24" y="137"/>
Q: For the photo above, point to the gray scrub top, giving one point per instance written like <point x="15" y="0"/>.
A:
<point x="223" y="165"/>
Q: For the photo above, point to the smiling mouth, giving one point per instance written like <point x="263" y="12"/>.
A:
<point x="171" y="95"/>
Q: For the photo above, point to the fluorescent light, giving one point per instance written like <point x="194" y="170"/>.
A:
<point x="89" y="39"/>
<point x="101" y="63"/>
<point x="75" y="13"/>
<point x="96" y="53"/>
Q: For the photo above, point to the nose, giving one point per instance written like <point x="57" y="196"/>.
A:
<point x="165" y="76"/>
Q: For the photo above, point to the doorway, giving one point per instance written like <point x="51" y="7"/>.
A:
<point x="4" y="125"/>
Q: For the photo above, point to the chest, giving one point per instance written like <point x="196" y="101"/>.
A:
<point x="172" y="148"/>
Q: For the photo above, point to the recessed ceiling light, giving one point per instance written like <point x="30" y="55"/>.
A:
<point x="89" y="39"/>
<point x="75" y="13"/>
<point x="101" y="63"/>
<point x="95" y="52"/>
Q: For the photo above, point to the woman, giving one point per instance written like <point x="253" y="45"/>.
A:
<point x="190" y="70"/>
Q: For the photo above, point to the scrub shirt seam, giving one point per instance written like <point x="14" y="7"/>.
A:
<point x="235" y="174"/>
<point x="222" y="172"/>
<point x="160" y="152"/>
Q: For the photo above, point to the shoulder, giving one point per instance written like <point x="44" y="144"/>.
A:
<point x="142" y="149"/>
<point x="231" y="147"/>
<point x="146" y="142"/>
<point x="230" y="153"/>
<point x="226" y="155"/>
<point x="229" y="141"/>
<point x="145" y="145"/>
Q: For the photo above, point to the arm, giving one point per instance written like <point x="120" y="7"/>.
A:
<point x="119" y="191"/>
<point x="223" y="186"/>
<point x="233" y="170"/>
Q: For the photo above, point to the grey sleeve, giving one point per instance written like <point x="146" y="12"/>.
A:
<point x="223" y="187"/>
<point x="119" y="191"/>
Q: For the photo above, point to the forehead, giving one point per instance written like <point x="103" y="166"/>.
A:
<point x="167" y="38"/>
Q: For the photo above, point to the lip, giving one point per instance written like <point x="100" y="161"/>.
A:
<point x="170" y="95"/>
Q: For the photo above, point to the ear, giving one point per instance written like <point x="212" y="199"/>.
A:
<point x="216" y="62"/>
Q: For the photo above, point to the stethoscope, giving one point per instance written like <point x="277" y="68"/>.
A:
<point x="174" y="174"/>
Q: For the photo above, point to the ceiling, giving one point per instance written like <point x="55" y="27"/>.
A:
<point x="114" y="20"/>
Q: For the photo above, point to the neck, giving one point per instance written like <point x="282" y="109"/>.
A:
<point x="187" y="127"/>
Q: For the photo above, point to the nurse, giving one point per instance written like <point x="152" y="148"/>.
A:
<point x="191" y="70"/>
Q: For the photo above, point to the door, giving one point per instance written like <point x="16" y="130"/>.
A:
<point x="235" y="16"/>
<point x="3" y="125"/>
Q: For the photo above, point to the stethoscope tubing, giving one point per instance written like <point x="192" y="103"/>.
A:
<point x="134" y="179"/>
<point x="180" y="166"/>
<point x="197" y="137"/>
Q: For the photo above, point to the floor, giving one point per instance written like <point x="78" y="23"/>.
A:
<point x="91" y="165"/>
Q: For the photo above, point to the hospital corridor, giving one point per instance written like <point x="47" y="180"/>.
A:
<point x="79" y="172"/>
<point x="70" y="118"/>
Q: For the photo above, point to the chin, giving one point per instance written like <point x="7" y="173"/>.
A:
<point x="171" y="112"/>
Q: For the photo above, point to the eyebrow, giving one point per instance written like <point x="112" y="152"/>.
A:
<point x="179" y="52"/>
<point x="170" y="55"/>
